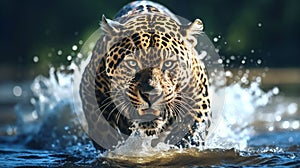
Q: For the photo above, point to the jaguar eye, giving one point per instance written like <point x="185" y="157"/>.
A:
<point x="168" y="64"/>
<point x="132" y="63"/>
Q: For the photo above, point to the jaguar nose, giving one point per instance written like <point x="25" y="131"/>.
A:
<point x="152" y="96"/>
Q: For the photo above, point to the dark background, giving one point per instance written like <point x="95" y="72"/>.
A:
<point x="42" y="28"/>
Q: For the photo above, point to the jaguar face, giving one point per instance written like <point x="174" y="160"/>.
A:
<point x="146" y="85"/>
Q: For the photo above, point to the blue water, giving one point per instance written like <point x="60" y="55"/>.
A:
<point x="258" y="154"/>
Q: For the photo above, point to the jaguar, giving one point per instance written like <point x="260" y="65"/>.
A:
<point x="145" y="77"/>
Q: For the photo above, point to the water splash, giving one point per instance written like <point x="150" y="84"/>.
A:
<point x="247" y="110"/>
<point x="56" y="100"/>
<point x="54" y="96"/>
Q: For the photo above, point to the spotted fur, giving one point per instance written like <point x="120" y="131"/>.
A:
<point x="144" y="75"/>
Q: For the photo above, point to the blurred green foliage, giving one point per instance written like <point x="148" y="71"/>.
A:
<point x="44" y="28"/>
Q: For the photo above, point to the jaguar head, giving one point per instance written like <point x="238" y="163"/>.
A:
<point x="150" y="71"/>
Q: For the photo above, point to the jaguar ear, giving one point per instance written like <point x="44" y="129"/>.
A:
<point x="110" y="26"/>
<point x="192" y="30"/>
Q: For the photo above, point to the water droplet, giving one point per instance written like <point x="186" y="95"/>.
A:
<point x="219" y="36"/>
<point x="232" y="57"/>
<point x="74" y="47"/>
<point x="215" y="39"/>
<point x="243" y="61"/>
<point x="35" y="59"/>
<point x="252" y="51"/>
<point x="66" y="128"/>
<point x="295" y="124"/>
<point x="271" y="128"/>
<point x="244" y="80"/>
<point x="34" y="115"/>
<point x="80" y="42"/>
<point x="10" y="130"/>
<point x="17" y="91"/>
<point x="258" y="79"/>
<point x="228" y="73"/>
<point x="227" y="61"/>
<point x="292" y="108"/>
<point x="278" y="118"/>
<point x="259" y="24"/>
<point x="69" y="57"/>
<point x="220" y="61"/>
<point x="32" y="101"/>
<point x="59" y="52"/>
<point x="239" y="41"/>
<point x="79" y="55"/>
<point x="259" y="61"/>
<point x="275" y="90"/>
<point x="285" y="124"/>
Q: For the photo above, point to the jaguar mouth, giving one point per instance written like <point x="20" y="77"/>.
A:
<point x="148" y="114"/>
<point x="149" y="121"/>
<point x="149" y="111"/>
<point x="147" y="117"/>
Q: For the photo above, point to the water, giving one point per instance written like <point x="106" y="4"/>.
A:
<point x="257" y="128"/>
<point x="254" y="128"/>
